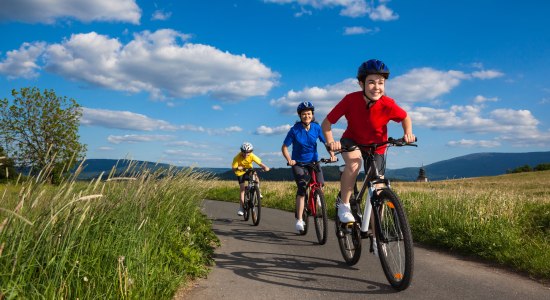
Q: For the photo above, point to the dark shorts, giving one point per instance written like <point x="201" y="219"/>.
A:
<point x="244" y="178"/>
<point x="379" y="159"/>
<point x="302" y="176"/>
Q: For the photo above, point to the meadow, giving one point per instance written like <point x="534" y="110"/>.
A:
<point x="143" y="236"/>
<point x="137" y="237"/>
<point x="501" y="220"/>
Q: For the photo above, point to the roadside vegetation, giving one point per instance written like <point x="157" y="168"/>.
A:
<point x="502" y="219"/>
<point x="139" y="237"/>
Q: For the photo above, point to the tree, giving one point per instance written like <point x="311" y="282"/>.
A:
<point x="542" y="167"/>
<point x="7" y="169"/>
<point x="40" y="131"/>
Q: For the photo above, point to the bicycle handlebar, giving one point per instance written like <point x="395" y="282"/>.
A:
<point x="391" y="141"/>
<point x="323" y="160"/>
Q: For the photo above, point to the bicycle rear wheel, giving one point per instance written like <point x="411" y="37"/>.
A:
<point x="320" y="218"/>
<point x="349" y="239"/>
<point x="394" y="242"/>
<point x="256" y="206"/>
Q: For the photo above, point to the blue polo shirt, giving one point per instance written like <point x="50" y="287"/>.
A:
<point x="304" y="143"/>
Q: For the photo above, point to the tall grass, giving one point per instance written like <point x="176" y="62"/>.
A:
<point x="502" y="219"/>
<point x="137" y="238"/>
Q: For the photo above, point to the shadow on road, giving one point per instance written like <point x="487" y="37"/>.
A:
<point x="257" y="235"/>
<point x="295" y="271"/>
<point x="289" y="270"/>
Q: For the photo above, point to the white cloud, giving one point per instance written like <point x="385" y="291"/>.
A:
<point x="487" y="74"/>
<point x="122" y="120"/>
<point x="217" y="107"/>
<point x="157" y="63"/>
<point x="186" y="144"/>
<point x="22" y="62"/>
<point x="211" y="131"/>
<point x="474" y="144"/>
<point x="105" y="148"/>
<point x="264" y="130"/>
<point x="382" y="13"/>
<point x="160" y="15"/>
<point x="356" y="30"/>
<point x="323" y="98"/>
<point x="37" y="11"/>
<point x="482" y="99"/>
<point x="349" y="8"/>
<point x="424" y="84"/>
<point x="135" y="138"/>
<point x="472" y="119"/>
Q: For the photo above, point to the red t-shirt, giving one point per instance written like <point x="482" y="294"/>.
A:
<point x="367" y="126"/>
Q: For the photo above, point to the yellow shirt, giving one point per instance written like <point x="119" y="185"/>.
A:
<point x="245" y="162"/>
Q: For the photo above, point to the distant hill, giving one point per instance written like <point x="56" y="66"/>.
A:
<point x="471" y="165"/>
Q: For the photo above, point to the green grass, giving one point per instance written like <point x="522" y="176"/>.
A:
<point x="130" y="239"/>
<point x="503" y="219"/>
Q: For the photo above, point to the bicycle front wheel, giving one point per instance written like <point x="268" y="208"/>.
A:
<point x="246" y="206"/>
<point x="320" y="218"/>
<point x="349" y="239"/>
<point x="394" y="241"/>
<point x="256" y="206"/>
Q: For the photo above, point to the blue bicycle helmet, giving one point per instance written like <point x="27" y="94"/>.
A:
<point x="306" y="105"/>
<point x="372" y="66"/>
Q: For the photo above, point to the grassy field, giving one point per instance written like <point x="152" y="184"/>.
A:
<point x="137" y="238"/>
<point x="503" y="219"/>
<point x="142" y="238"/>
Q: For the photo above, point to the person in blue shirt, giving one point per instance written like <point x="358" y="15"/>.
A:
<point x="303" y="137"/>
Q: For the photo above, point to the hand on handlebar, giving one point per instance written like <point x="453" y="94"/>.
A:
<point x="409" y="138"/>
<point x="333" y="146"/>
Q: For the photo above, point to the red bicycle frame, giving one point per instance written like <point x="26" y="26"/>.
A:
<point x="313" y="185"/>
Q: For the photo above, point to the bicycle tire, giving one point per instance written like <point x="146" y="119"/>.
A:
<point x="320" y="219"/>
<point x="305" y="218"/>
<point x="246" y="209"/>
<point x="256" y="206"/>
<point x="395" y="248"/>
<point x="349" y="239"/>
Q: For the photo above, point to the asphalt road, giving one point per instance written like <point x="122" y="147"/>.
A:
<point x="271" y="261"/>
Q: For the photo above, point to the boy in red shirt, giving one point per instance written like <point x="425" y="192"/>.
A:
<point x="368" y="112"/>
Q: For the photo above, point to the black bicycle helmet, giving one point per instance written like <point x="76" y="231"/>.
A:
<point x="372" y="66"/>
<point x="306" y="105"/>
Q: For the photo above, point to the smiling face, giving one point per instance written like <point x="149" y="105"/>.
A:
<point x="306" y="116"/>
<point x="374" y="86"/>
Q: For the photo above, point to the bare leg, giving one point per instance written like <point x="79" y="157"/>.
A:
<point x="300" y="206"/>
<point x="241" y="187"/>
<point x="353" y="162"/>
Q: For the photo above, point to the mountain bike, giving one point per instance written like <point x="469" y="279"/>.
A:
<point x="315" y="204"/>
<point x="252" y="199"/>
<point x="390" y="235"/>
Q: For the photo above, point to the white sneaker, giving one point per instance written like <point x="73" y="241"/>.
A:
<point x="300" y="225"/>
<point x="240" y="212"/>
<point x="344" y="213"/>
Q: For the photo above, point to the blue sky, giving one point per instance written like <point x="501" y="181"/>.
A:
<point x="186" y="82"/>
